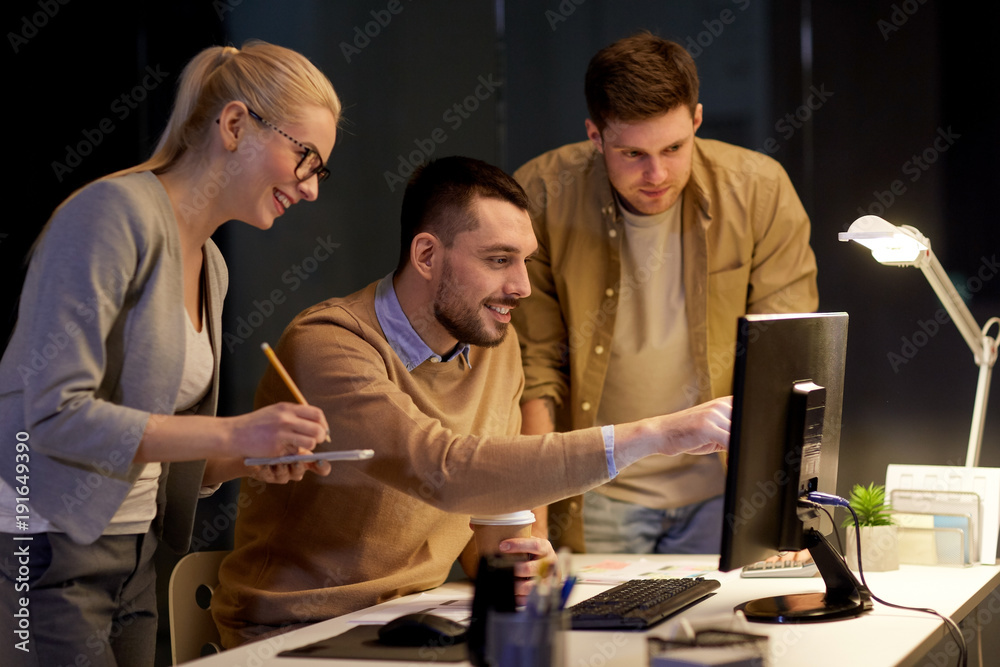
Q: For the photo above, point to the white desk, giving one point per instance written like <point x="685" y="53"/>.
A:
<point x="882" y="637"/>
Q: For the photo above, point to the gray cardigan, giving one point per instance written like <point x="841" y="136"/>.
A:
<point x="97" y="351"/>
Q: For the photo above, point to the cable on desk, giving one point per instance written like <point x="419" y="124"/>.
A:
<point x="817" y="500"/>
<point x="836" y="533"/>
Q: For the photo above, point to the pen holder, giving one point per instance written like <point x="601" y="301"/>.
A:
<point x="494" y="594"/>
<point x="522" y="639"/>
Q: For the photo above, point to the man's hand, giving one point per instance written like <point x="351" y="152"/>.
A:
<point x="702" y="429"/>
<point x="790" y="555"/>
<point x="539" y="551"/>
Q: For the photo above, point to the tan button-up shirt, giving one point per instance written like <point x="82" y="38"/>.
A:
<point x="745" y="238"/>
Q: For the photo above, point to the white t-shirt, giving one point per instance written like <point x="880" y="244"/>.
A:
<point x="651" y="369"/>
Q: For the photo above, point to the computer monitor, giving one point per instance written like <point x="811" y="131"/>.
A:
<point x="788" y="386"/>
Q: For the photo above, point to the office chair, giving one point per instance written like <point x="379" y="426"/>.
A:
<point x="192" y="630"/>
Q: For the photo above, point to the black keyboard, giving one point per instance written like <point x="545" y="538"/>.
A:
<point x="640" y="603"/>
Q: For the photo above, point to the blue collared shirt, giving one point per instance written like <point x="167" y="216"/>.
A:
<point x="413" y="351"/>
<point x="403" y="339"/>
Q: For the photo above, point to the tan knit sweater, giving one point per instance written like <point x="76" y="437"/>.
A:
<point x="446" y="446"/>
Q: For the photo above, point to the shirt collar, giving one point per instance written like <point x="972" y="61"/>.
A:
<point x="404" y="340"/>
<point x="697" y="180"/>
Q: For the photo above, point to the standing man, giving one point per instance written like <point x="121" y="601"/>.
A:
<point x="652" y="243"/>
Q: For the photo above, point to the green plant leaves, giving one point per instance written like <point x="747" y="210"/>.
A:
<point x="869" y="504"/>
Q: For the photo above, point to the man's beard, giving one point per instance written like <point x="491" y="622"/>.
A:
<point x="462" y="321"/>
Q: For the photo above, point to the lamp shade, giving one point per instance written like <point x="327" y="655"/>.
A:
<point x="890" y="244"/>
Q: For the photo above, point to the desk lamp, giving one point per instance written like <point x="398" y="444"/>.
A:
<point x="905" y="246"/>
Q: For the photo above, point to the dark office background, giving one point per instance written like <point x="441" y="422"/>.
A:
<point x="855" y="99"/>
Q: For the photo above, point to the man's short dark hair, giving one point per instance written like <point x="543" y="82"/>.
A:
<point x="638" y="78"/>
<point x="440" y="195"/>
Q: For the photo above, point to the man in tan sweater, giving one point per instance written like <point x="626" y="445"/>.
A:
<point x="423" y="367"/>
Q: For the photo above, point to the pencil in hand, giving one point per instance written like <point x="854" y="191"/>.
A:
<point x="286" y="378"/>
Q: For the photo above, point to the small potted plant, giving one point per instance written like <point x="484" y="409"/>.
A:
<point x="879" y="537"/>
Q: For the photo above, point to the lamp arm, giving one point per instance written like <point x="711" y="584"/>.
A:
<point x="953" y="303"/>
<point x="982" y="396"/>
<point x="989" y="357"/>
<point x="983" y="347"/>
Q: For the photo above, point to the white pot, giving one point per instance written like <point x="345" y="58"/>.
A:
<point x="879" y="548"/>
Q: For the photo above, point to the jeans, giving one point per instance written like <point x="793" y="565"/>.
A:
<point x="616" y="526"/>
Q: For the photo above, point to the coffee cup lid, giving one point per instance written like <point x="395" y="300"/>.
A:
<point x="522" y="518"/>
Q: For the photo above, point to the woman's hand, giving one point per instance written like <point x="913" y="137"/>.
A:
<point x="220" y="470"/>
<point x="276" y="430"/>
<point x="288" y="472"/>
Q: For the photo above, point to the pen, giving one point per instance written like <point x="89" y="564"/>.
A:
<point x="566" y="590"/>
<point x="538" y="599"/>
<point x="569" y="579"/>
<point x="286" y="377"/>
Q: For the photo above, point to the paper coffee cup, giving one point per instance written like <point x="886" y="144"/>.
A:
<point x="491" y="530"/>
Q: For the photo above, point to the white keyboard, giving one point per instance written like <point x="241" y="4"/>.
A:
<point x="781" y="568"/>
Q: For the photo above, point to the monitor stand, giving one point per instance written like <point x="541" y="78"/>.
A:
<point x="845" y="596"/>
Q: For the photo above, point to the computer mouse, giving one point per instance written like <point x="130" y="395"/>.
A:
<point x="421" y="630"/>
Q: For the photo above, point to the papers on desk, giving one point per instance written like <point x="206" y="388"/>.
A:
<point x="449" y="606"/>
<point x="953" y="495"/>
<point x="618" y="571"/>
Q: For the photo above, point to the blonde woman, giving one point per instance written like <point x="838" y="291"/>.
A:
<point x="108" y="387"/>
